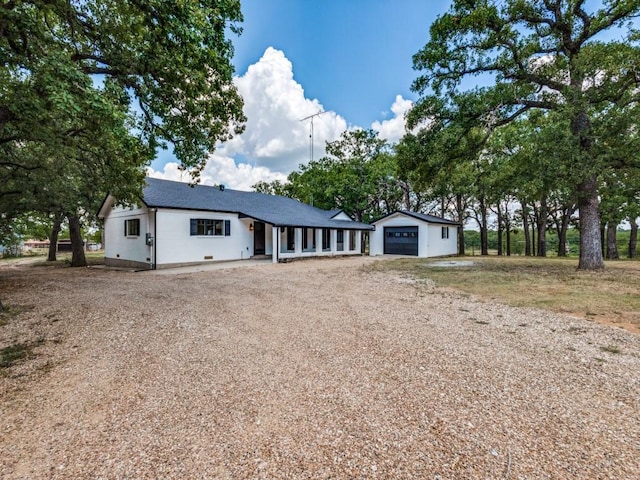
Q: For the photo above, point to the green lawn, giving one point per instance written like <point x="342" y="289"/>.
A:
<point x="554" y="284"/>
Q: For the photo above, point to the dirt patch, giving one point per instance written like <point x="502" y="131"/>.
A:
<point x="449" y="263"/>
<point x="315" y="369"/>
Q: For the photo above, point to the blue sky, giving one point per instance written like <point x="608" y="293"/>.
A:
<point x="350" y="58"/>
<point x="354" y="56"/>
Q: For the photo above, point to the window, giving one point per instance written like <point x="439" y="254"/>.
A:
<point x="306" y="232"/>
<point x="326" y="239"/>
<point x="210" y="227"/>
<point x="132" y="227"/>
<point x="340" y="240"/>
<point x="352" y="239"/>
<point x="291" y="238"/>
<point x="445" y="232"/>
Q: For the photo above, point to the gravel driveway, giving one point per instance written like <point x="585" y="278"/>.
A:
<point x="314" y="369"/>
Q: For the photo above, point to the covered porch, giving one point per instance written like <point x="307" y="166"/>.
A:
<point x="300" y="242"/>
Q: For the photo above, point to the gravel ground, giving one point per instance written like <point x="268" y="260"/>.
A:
<point x="314" y="369"/>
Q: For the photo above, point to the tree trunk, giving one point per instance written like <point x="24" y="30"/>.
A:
<point x="533" y="237"/>
<point x="500" y="231"/>
<point x="587" y="192"/>
<point x="562" y="232"/>
<point x="406" y="195"/>
<point x="78" y="258"/>
<point x="525" y="229"/>
<point x="541" y="220"/>
<point x="590" y="243"/>
<point x="460" y="212"/>
<point x="508" y="233"/>
<point x="633" y="239"/>
<point x="53" y="237"/>
<point x="484" y="241"/>
<point x="612" y="241"/>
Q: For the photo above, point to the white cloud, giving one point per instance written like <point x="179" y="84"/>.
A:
<point x="276" y="140"/>
<point x="221" y="170"/>
<point x="275" y="136"/>
<point x="393" y="129"/>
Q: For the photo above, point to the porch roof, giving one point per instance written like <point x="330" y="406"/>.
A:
<point x="273" y="209"/>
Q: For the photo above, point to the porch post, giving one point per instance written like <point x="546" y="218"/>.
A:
<point x="275" y="246"/>
<point x="318" y="233"/>
<point x="297" y="236"/>
<point x="334" y="240"/>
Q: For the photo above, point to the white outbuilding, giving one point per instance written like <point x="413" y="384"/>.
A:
<point x="414" y="234"/>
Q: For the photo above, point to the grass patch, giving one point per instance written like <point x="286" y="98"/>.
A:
<point x="611" y="349"/>
<point x="64" y="259"/>
<point x="554" y="284"/>
<point x="19" y="351"/>
<point x="7" y="313"/>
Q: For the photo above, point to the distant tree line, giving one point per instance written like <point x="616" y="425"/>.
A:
<point x="626" y="244"/>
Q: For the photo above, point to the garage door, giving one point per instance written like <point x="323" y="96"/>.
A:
<point x="401" y="240"/>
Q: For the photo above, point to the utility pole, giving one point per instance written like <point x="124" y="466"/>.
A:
<point x="311" y="131"/>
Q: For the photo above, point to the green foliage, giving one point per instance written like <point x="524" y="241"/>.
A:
<point x="358" y="176"/>
<point x="173" y="58"/>
<point x="71" y="72"/>
<point x="537" y="56"/>
<point x="472" y="241"/>
<point x="275" y="187"/>
<point x="19" y="351"/>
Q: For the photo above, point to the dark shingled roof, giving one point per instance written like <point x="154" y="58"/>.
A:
<point x="424" y="217"/>
<point x="273" y="209"/>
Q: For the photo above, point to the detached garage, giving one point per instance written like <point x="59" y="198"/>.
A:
<point x="414" y="234"/>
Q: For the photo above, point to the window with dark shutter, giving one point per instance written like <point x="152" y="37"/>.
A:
<point x="227" y="228"/>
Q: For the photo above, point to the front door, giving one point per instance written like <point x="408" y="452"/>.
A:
<point x="258" y="238"/>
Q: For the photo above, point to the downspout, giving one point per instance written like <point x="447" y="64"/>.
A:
<point x="155" y="238"/>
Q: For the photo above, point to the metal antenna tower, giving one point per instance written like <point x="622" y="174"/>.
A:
<point x="311" y="130"/>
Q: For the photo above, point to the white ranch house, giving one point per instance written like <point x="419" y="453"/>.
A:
<point x="176" y="224"/>
<point x="415" y="234"/>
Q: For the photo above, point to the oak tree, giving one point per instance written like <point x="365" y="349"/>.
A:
<point x="487" y="62"/>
